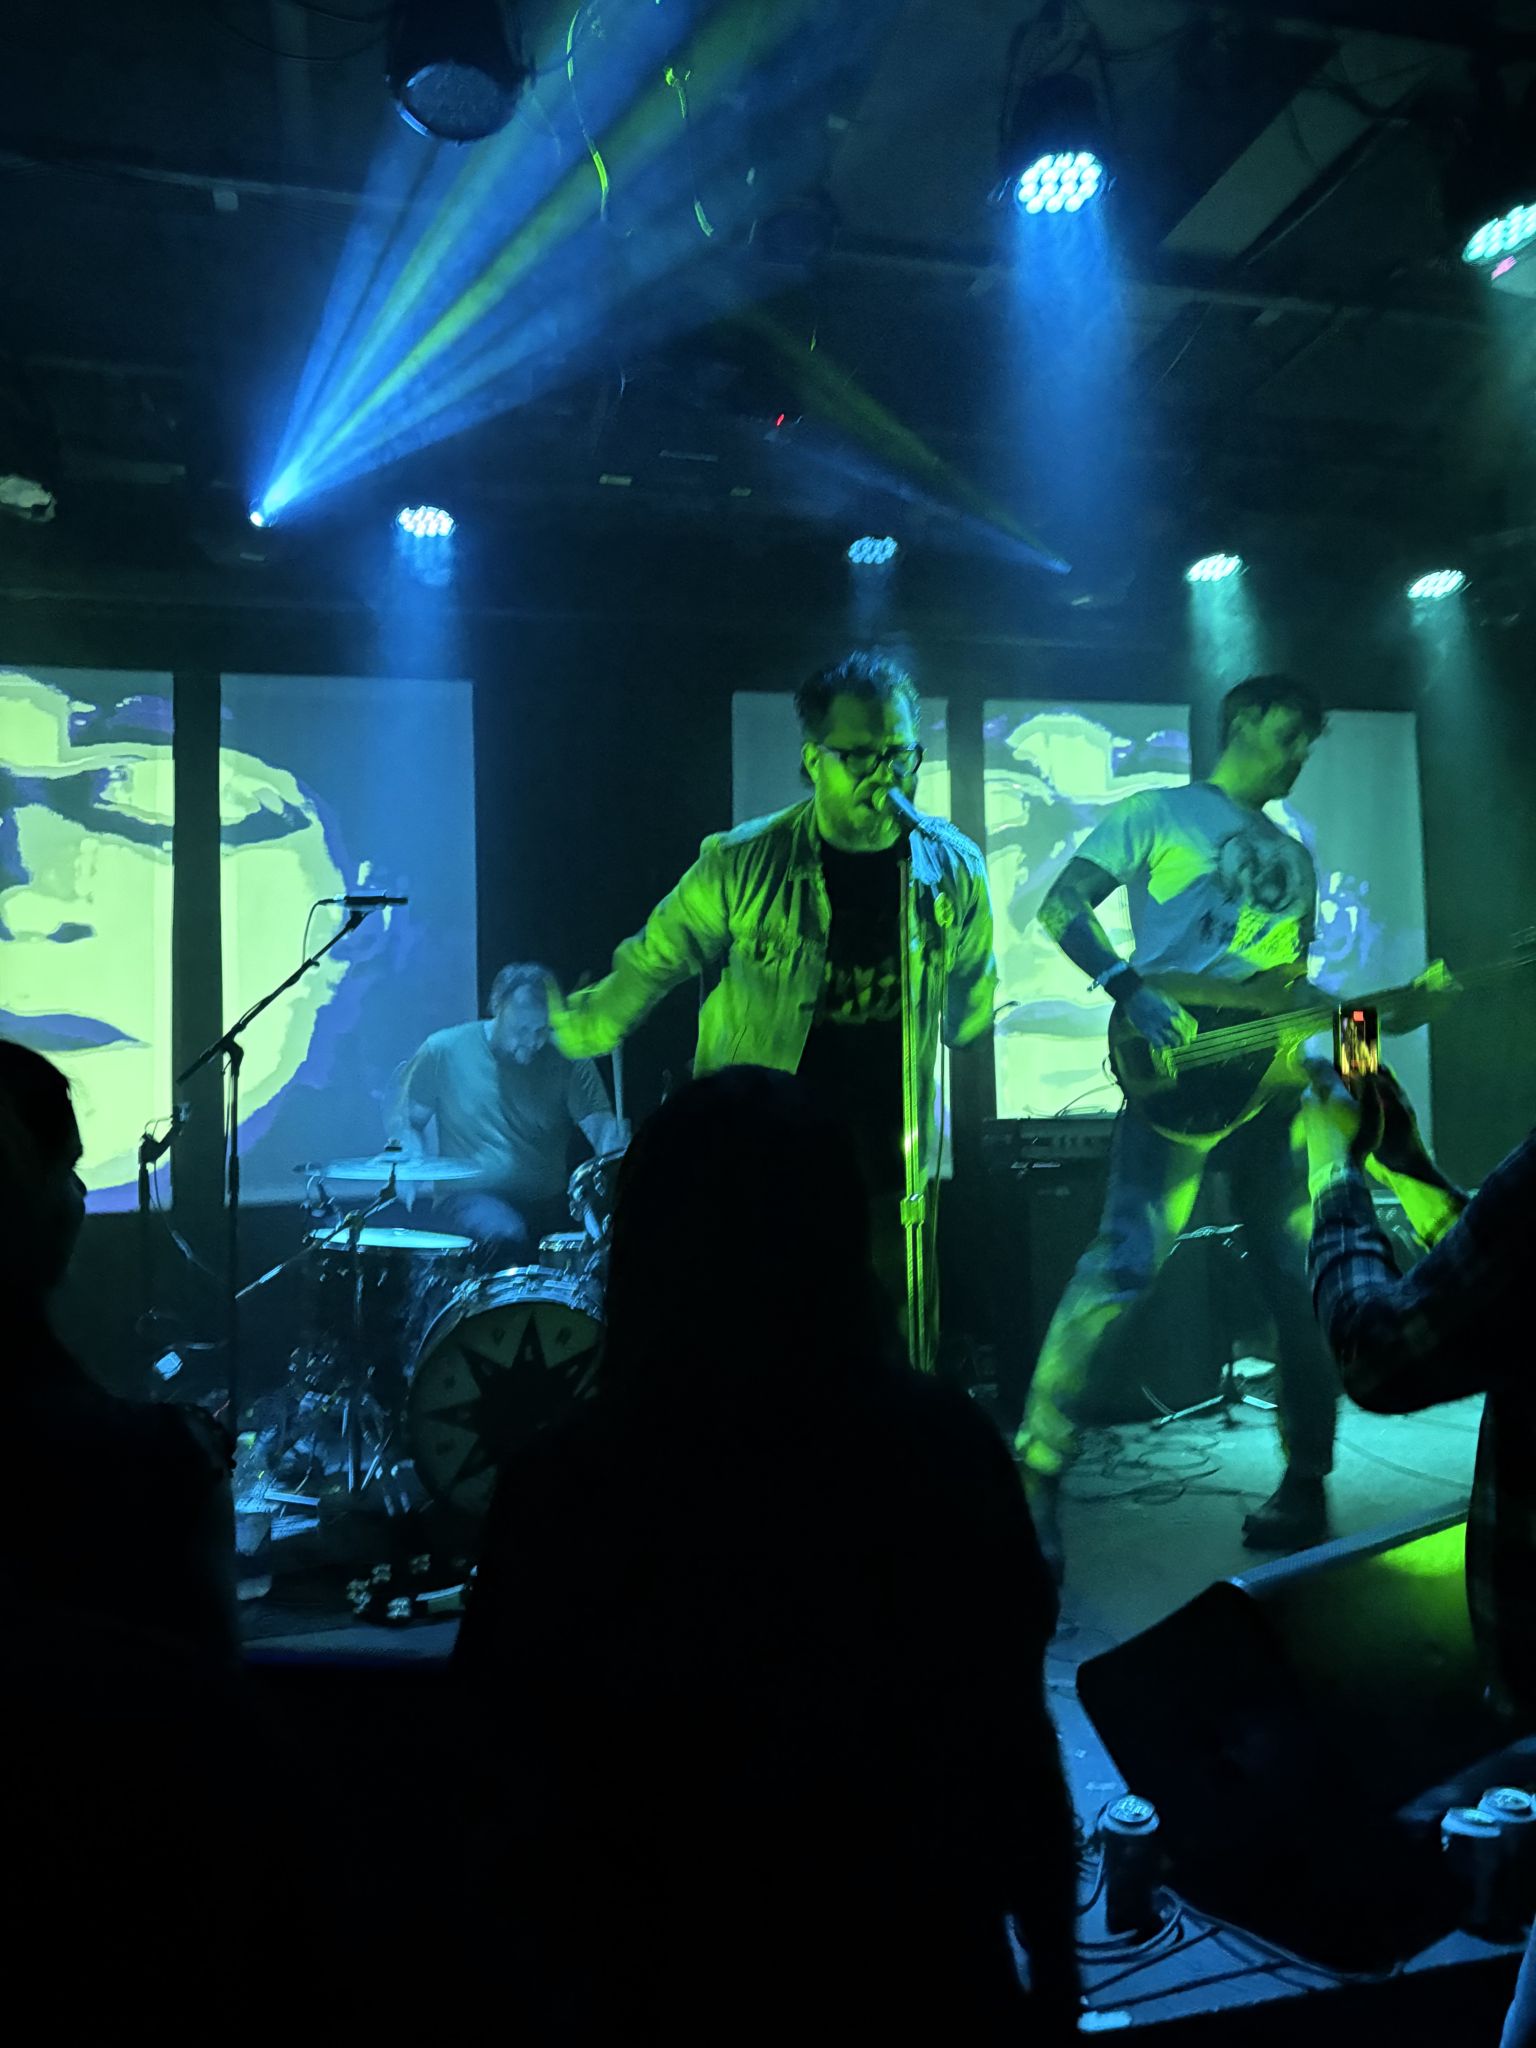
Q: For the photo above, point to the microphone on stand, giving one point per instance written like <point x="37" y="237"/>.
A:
<point x="152" y="1150"/>
<point x="366" y="902"/>
<point x="907" y="814"/>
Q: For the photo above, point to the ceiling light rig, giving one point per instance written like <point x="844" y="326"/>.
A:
<point x="873" y="553"/>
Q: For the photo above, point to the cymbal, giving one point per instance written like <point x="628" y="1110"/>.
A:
<point x="416" y="1169"/>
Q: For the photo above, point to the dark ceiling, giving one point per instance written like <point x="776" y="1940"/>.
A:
<point x="177" y="181"/>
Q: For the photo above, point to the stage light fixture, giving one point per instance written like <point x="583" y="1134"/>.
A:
<point x="1214" y="569"/>
<point x="425" y="522"/>
<point x="1060" y="184"/>
<point x="1490" y="185"/>
<point x="873" y="553"/>
<point x="29" y="453"/>
<point x="1438" y="583"/>
<point x="1053" y="159"/>
<point x="228" y="529"/>
<point x="452" y="69"/>
<point x="1497" y="243"/>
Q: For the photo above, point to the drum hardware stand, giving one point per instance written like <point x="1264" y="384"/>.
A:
<point x="1230" y="1393"/>
<point x="366" y="1429"/>
<point x="227" y="1047"/>
<point x="352" y="1225"/>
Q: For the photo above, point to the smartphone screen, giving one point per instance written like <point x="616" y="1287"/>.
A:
<point x="1356" y="1042"/>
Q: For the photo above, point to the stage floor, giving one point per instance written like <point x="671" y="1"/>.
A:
<point x="1151" y="1517"/>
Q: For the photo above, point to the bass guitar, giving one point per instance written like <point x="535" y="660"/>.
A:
<point x="1248" y="1038"/>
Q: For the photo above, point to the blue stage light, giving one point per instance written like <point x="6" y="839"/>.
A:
<point x="1214" y="569"/>
<point x="257" y="516"/>
<point x="425" y="522"/>
<point x="1062" y="182"/>
<point x="1497" y="240"/>
<point x="453" y="71"/>
<point x="870" y="553"/>
<point x="1437" y="584"/>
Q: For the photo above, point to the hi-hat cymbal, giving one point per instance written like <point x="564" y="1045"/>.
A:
<point x="414" y="1167"/>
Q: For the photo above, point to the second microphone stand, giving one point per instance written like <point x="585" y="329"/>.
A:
<point x="227" y="1046"/>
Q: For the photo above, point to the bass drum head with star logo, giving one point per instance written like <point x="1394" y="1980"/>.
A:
<point x="507" y="1357"/>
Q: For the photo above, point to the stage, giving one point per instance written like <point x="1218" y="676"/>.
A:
<point x="1151" y="1518"/>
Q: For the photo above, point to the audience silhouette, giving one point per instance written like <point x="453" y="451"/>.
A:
<point x="761" y="1633"/>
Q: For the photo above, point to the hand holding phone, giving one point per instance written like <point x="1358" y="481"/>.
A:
<point x="1356" y="1044"/>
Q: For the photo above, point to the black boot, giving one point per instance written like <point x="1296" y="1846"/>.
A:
<point x="1293" y="1518"/>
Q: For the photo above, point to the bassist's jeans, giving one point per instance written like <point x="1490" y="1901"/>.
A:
<point x="1153" y="1183"/>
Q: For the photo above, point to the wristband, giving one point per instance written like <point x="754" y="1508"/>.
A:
<point x="1119" y="982"/>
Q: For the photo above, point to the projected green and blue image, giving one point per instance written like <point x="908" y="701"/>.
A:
<point x="86" y="898"/>
<point x="310" y="770"/>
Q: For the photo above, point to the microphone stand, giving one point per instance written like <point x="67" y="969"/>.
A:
<point x="227" y="1046"/>
<point x="915" y="1196"/>
<point x="151" y="1151"/>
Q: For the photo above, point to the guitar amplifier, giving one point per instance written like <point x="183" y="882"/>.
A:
<point x="1016" y="1144"/>
<point x="1048" y="1177"/>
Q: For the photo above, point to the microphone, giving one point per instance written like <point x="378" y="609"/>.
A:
<point x="365" y="902"/>
<point x="151" y="1150"/>
<point x="907" y="812"/>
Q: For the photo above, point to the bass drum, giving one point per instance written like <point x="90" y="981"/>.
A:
<point x="508" y="1356"/>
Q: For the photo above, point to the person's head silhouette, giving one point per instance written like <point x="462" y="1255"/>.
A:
<point x="42" y="1198"/>
<point x="740" y="1243"/>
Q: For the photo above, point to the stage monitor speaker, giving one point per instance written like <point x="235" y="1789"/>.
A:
<point x="1282" y="1721"/>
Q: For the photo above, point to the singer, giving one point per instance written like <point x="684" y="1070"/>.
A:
<point x="802" y="912"/>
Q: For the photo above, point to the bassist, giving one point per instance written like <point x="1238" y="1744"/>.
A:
<point x="1215" y="889"/>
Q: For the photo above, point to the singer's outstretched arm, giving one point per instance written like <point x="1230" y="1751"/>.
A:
<point x="686" y="932"/>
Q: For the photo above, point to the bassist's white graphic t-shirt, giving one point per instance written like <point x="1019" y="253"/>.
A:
<point x="1213" y="888"/>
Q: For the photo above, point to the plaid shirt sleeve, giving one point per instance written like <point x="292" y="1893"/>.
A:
<point x="1449" y="1328"/>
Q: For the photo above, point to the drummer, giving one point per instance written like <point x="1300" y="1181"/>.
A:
<point x="504" y="1100"/>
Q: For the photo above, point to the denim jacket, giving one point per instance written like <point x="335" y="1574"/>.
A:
<point x="756" y="902"/>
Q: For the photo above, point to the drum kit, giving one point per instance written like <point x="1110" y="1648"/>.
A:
<point x="418" y="1371"/>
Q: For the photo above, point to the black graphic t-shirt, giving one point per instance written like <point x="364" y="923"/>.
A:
<point x="852" y="1059"/>
<point x="1213" y="888"/>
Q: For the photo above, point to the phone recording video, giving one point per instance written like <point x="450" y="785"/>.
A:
<point x="1356" y="1043"/>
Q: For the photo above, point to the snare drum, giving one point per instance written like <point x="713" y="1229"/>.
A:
<point x="368" y="1307"/>
<point x="508" y="1356"/>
